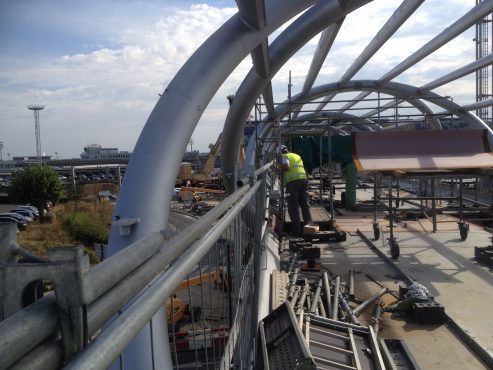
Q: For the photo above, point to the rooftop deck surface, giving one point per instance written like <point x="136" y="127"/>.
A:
<point x="440" y="261"/>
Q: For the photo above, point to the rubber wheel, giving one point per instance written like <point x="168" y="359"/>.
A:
<point x="376" y="231"/>
<point x="463" y="231"/>
<point x="394" y="248"/>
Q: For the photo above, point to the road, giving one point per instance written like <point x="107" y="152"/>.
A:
<point x="6" y="207"/>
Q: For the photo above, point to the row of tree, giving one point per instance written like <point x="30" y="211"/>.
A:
<point x="38" y="185"/>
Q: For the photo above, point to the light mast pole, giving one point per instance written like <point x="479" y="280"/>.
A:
<point x="36" y="108"/>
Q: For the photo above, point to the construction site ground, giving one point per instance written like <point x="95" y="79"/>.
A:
<point x="440" y="261"/>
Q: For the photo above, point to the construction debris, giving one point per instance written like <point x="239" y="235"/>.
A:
<point x="319" y="300"/>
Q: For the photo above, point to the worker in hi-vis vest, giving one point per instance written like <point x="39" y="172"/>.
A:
<point x="296" y="183"/>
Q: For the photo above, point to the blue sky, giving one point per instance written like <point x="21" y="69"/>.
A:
<point x="98" y="66"/>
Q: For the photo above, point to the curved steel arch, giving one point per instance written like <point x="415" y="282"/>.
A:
<point x="481" y="10"/>
<point x="253" y="84"/>
<point x="143" y="208"/>
<point x="366" y="124"/>
<point x="365" y="85"/>
<point x="280" y="51"/>
<point x="392" y="88"/>
<point x="407" y="92"/>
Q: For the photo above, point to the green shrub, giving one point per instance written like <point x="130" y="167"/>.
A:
<point x="49" y="217"/>
<point x="85" y="229"/>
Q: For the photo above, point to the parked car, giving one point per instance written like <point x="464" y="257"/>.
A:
<point x="24" y="212"/>
<point x="31" y="208"/>
<point x="21" y="225"/>
<point x="17" y="216"/>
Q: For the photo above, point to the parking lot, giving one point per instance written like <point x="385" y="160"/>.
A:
<point x="6" y="207"/>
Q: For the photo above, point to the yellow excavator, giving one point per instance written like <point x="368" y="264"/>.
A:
<point x="187" y="193"/>
<point x="205" y="175"/>
<point x="177" y="309"/>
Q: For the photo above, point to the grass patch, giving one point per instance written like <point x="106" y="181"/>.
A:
<point x="82" y="227"/>
<point x="89" y="225"/>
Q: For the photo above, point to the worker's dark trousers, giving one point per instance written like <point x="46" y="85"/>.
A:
<point x="297" y="196"/>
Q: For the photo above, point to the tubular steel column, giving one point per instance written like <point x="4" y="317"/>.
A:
<point x="391" y="211"/>
<point x="331" y="185"/>
<point x="350" y="202"/>
<point x="484" y="83"/>
<point x="433" y="205"/>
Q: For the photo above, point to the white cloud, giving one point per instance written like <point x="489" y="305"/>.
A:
<point x="104" y="89"/>
<point x="360" y="27"/>
<point x="107" y="86"/>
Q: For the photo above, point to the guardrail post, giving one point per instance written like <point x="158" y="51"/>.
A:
<point x="8" y="237"/>
<point x="66" y="268"/>
<point x="70" y="265"/>
<point x="13" y="296"/>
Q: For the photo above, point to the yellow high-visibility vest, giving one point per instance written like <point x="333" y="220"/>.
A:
<point x="296" y="169"/>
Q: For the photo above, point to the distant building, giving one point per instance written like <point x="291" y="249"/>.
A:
<point x="96" y="152"/>
<point x="31" y="158"/>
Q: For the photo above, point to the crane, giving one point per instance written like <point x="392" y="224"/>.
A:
<point x="205" y="173"/>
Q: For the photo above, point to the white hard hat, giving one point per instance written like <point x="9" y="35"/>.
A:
<point x="282" y="148"/>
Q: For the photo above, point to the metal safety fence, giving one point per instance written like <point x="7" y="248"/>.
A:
<point x="206" y="276"/>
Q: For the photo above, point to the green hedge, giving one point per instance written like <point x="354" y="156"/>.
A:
<point x="83" y="228"/>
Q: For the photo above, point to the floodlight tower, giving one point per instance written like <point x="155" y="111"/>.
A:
<point x="36" y="108"/>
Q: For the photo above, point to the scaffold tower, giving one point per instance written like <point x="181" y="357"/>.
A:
<point x="484" y="44"/>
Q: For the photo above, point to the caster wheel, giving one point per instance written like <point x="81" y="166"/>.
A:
<point x="394" y="248"/>
<point x="376" y="231"/>
<point x="463" y="230"/>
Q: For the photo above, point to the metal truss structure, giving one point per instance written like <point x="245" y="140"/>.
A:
<point x="142" y="211"/>
<point x="158" y="151"/>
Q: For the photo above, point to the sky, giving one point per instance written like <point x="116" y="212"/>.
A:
<point x="98" y="65"/>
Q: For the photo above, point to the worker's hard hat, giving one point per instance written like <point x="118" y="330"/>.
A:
<point x="282" y="148"/>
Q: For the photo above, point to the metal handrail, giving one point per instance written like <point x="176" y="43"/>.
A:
<point x="111" y="284"/>
<point x="256" y="173"/>
<point x="102" y="351"/>
<point x="114" y="269"/>
<point x="23" y="331"/>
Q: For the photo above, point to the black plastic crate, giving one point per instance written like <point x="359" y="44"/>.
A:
<point x="310" y="253"/>
<point x="428" y="313"/>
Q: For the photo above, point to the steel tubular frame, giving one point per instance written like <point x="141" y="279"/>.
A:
<point x="397" y="89"/>
<point x="109" y="344"/>
<point x="138" y="244"/>
<point x="448" y="34"/>
<point x="292" y="39"/>
<point x="157" y="154"/>
<point x="113" y="296"/>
